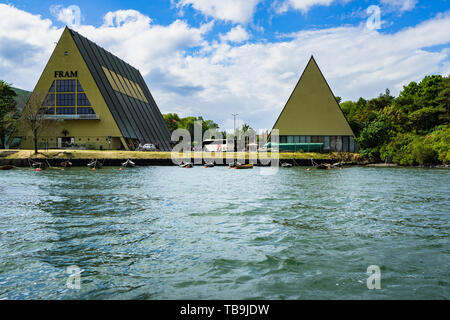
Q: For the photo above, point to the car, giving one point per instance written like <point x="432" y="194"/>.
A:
<point x="148" y="147"/>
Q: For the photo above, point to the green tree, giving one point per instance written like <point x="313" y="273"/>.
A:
<point x="443" y="99"/>
<point x="172" y="120"/>
<point x="372" y="137"/>
<point x="7" y="108"/>
<point x="245" y="127"/>
<point x="175" y="122"/>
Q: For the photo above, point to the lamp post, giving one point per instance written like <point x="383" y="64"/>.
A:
<point x="234" y="116"/>
<point x="234" y="132"/>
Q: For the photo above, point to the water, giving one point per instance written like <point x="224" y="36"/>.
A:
<point x="171" y="233"/>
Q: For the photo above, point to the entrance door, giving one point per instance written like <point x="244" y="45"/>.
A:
<point x="66" y="142"/>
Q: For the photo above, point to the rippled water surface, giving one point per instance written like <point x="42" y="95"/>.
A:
<point x="171" y="233"/>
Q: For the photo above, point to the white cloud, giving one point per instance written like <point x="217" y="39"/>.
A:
<point x="238" y="35"/>
<point x="122" y="17"/>
<point x="302" y="5"/>
<point x="26" y="41"/>
<point x="70" y="16"/>
<point x="401" y="5"/>
<point x="190" y="75"/>
<point x="237" y="11"/>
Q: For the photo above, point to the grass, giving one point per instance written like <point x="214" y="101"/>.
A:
<point x="96" y="154"/>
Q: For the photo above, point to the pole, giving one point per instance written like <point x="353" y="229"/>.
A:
<point x="234" y="116"/>
<point x="234" y="132"/>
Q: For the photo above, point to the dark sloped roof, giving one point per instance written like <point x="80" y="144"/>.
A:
<point x="135" y="118"/>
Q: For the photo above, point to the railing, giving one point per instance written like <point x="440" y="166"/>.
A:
<point x="71" y="117"/>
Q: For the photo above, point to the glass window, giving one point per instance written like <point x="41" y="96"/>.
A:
<point x="333" y="143"/>
<point x="50" y="111"/>
<point x="49" y="100"/>
<point x="326" y="143"/>
<point x="345" y="144"/>
<point x="52" y="88"/>
<point x="65" y="99"/>
<point x="83" y="100"/>
<point x="296" y="139"/>
<point x="63" y="94"/>
<point x="339" y="143"/>
<point x="65" y="110"/>
<point x="65" y="85"/>
<point x="308" y="139"/>
<point x="302" y="139"/>
<point x="290" y="139"/>
<point x="86" y="111"/>
<point x="80" y="88"/>
<point x="352" y="144"/>
<point x="283" y="139"/>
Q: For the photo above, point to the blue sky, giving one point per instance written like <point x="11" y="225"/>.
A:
<point x="216" y="57"/>
<point x="338" y="13"/>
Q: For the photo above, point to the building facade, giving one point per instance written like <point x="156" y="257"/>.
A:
<point x="312" y="117"/>
<point x="94" y="100"/>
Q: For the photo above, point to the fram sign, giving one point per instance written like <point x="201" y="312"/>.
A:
<point x="66" y="74"/>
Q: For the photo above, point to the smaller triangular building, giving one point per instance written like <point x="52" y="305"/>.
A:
<point x="312" y="118"/>
<point x="97" y="100"/>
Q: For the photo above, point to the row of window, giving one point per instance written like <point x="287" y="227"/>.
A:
<point x="69" y="110"/>
<point x="66" y="100"/>
<point x="330" y="143"/>
<point x="124" y="85"/>
<point x="66" y="86"/>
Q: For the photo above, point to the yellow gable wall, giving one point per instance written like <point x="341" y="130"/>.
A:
<point x="312" y="109"/>
<point x="95" y="129"/>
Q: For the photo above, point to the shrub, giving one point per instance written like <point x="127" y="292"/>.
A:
<point x="423" y="152"/>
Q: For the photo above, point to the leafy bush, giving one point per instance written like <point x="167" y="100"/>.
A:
<point x="423" y="152"/>
<point x="439" y="140"/>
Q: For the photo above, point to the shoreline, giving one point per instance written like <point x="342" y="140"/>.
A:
<point x="80" y="158"/>
<point x="23" y="163"/>
<point x="167" y="162"/>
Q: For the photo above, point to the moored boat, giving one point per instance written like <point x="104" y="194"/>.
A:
<point x="129" y="164"/>
<point x="39" y="165"/>
<point x="186" y="165"/>
<point x="234" y="165"/>
<point x="7" y="167"/>
<point x="286" y="165"/>
<point x="324" y="166"/>
<point x="244" y="166"/>
<point x="66" y="164"/>
<point x="95" y="164"/>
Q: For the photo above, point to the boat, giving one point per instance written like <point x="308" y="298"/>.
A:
<point x="234" y="165"/>
<point x="209" y="165"/>
<point x="244" y="166"/>
<point x="7" y="167"/>
<point x="66" y="164"/>
<point x="95" y="164"/>
<point x="324" y="166"/>
<point x="186" y="165"/>
<point x="286" y="165"/>
<point x="39" y="165"/>
<point x="129" y="164"/>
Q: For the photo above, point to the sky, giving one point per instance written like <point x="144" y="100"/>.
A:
<point x="213" y="58"/>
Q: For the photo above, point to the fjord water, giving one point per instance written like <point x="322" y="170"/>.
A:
<point x="171" y="233"/>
